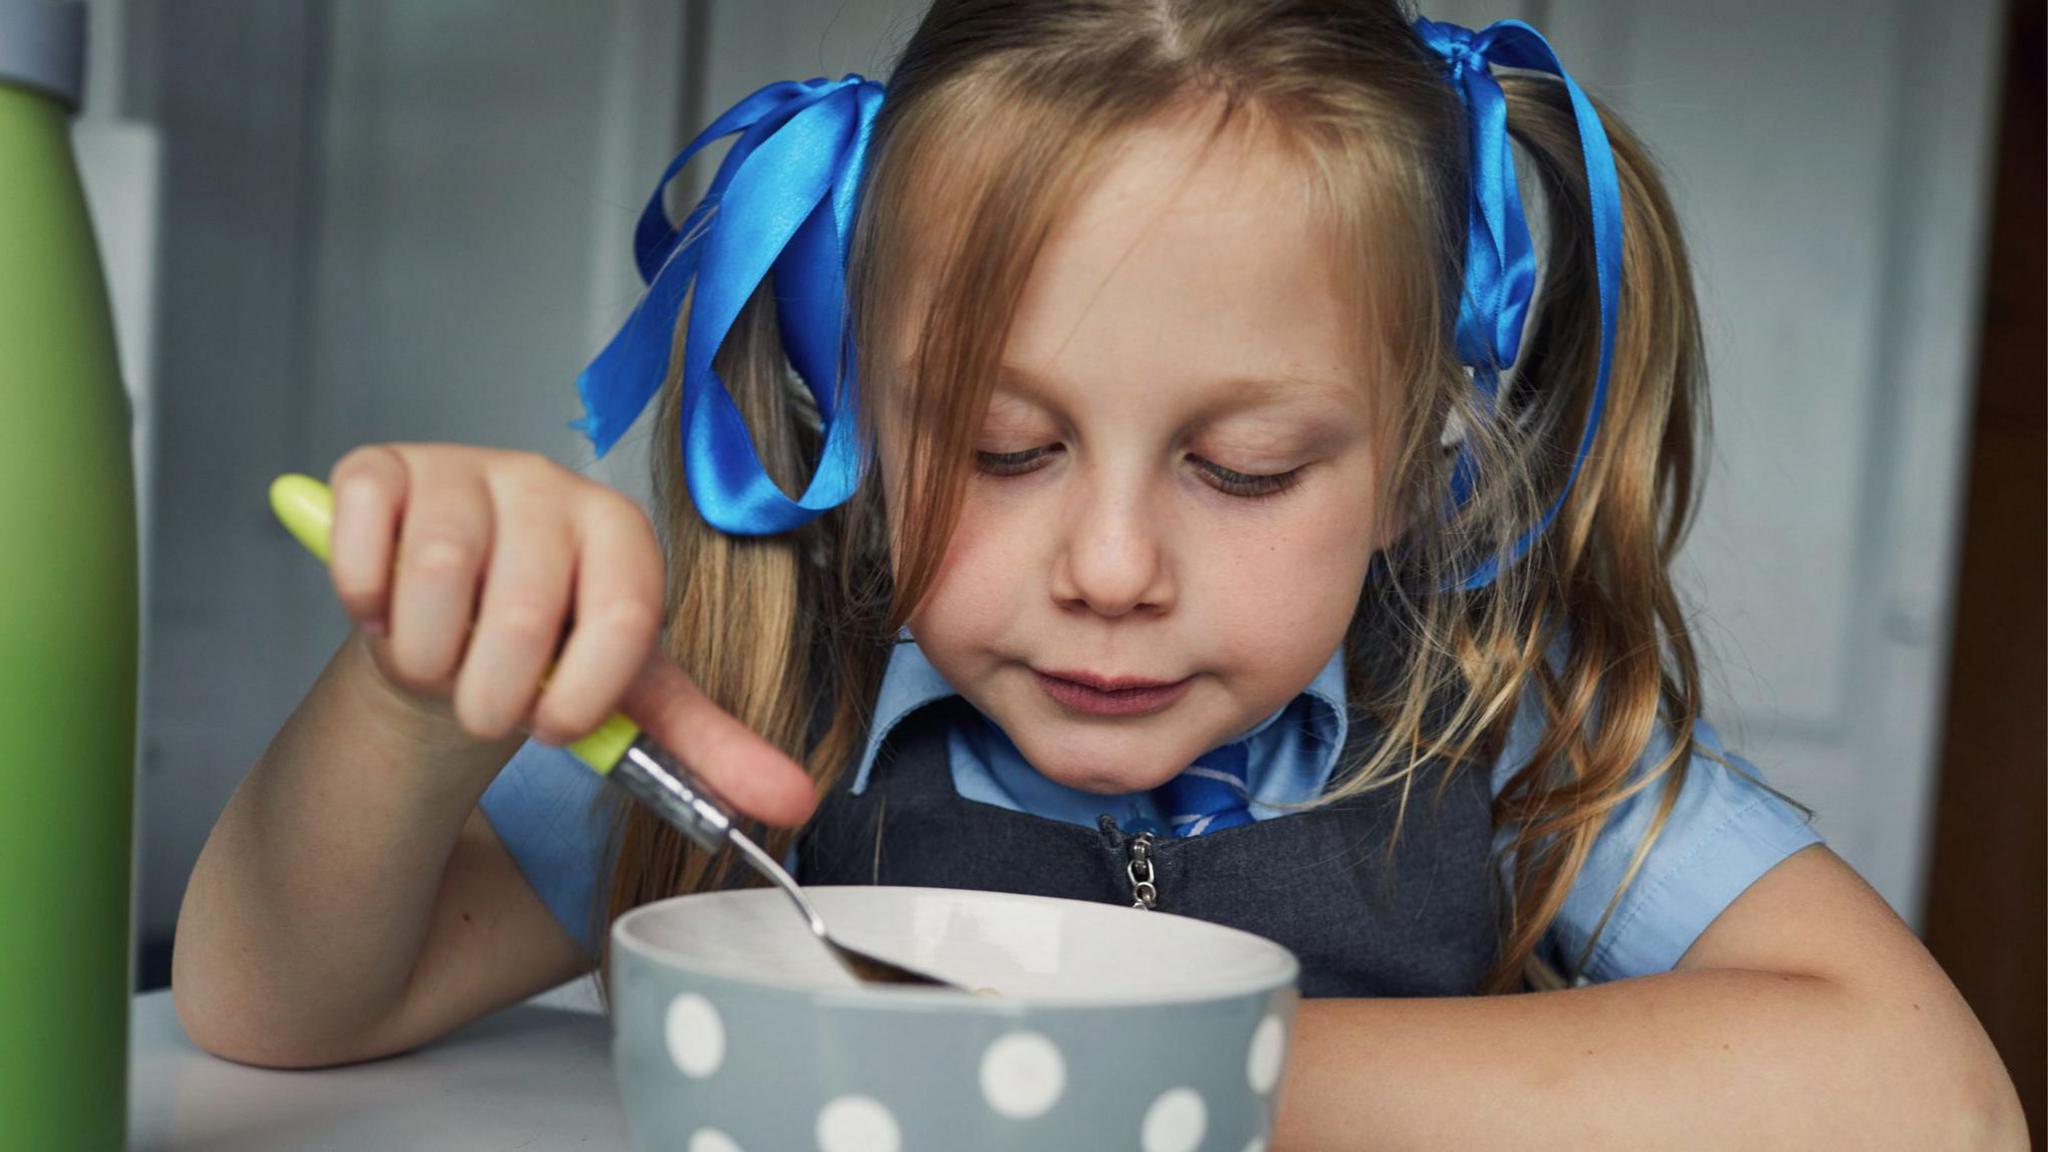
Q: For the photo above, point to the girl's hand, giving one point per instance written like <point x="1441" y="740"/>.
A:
<point x="466" y="568"/>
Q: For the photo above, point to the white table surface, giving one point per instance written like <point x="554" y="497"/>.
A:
<point x="537" y="1076"/>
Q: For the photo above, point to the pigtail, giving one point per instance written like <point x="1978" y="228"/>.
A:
<point x="1606" y="645"/>
<point x="760" y="623"/>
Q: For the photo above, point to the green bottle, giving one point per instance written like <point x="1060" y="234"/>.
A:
<point x="67" y="619"/>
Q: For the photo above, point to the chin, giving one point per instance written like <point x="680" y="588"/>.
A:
<point x="1105" y="757"/>
<point x="1082" y="769"/>
<point x="1098" y="784"/>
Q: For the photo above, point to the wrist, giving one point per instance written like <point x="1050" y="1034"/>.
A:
<point x="415" y="735"/>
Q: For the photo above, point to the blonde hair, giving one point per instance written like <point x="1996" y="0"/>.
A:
<point x="1002" y="111"/>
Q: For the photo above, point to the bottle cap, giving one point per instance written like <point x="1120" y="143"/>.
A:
<point x="42" y="46"/>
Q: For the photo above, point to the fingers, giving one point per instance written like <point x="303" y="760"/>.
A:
<point x="525" y="605"/>
<point x="369" y="486"/>
<point x="466" y="562"/>
<point x="618" y="617"/>
<point x="733" y="759"/>
<point x="442" y="548"/>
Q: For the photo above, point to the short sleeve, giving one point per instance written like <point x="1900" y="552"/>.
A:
<point x="1725" y="832"/>
<point x="545" y="806"/>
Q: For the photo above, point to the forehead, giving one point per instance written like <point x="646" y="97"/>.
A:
<point x="1195" y="267"/>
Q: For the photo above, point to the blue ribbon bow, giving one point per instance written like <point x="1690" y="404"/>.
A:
<point x="1500" y="262"/>
<point x="783" y="200"/>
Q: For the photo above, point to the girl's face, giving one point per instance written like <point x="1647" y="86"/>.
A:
<point x="1191" y="477"/>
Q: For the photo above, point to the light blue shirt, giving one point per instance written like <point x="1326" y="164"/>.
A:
<point x="1725" y="831"/>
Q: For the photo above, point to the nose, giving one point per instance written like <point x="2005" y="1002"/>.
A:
<point x="1114" y="556"/>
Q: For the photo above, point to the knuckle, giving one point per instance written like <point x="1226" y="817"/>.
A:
<point x="626" y="514"/>
<point x="443" y="555"/>
<point x="631" y="545"/>
<point x="376" y="470"/>
<point x="534" y="464"/>
<point x="532" y="498"/>
<point x="606" y="510"/>
<point x="530" y="473"/>
<point x="527" y="622"/>
<point x="367" y="461"/>
<point x="630" y="617"/>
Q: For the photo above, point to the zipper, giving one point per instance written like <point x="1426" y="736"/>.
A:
<point x="1144" y="892"/>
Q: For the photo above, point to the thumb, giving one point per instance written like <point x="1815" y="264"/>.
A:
<point x="734" y="760"/>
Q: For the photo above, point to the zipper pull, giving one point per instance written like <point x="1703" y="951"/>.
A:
<point x="1144" y="893"/>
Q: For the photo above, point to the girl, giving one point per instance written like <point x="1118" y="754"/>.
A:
<point x="1241" y="509"/>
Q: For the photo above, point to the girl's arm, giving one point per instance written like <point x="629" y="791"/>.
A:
<point x="1806" y="1016"/>
<point x="351" y="901"/>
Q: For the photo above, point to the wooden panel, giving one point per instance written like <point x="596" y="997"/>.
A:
<point x="1990" y="875"/>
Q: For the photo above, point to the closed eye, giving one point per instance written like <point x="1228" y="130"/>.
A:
<point x="1244" y="485"/>
<point x="1008" y="463"/>
<point x="1250" y="485"/>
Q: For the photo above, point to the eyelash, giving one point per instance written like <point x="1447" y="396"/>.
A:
<point x="1242" y="485"/>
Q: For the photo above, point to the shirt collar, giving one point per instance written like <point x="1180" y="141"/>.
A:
<point x="911" y="682"/>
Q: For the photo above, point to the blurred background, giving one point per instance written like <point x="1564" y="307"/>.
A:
<point x="334" y="221"/>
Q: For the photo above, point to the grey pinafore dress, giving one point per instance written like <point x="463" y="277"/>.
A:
<point x="1317" y="881"/>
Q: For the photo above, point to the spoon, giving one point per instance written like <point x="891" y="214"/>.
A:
<point x="622" y="754"/>
<point x="658" y="780"/>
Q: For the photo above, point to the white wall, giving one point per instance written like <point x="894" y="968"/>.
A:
<point x="1830" y="162"/>
<point x="382" y="221"/>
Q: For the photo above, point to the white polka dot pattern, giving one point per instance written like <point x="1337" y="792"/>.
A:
<point x="712" y="1140"/>
<point x="857" y="1124"/>
<point x="1269" y="1048"/>
<point x="1175" y="1122"/>
<point x="696" y="1035"/>
<point x="1022" y="1075"/>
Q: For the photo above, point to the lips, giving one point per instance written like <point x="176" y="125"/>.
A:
<point x="1136" y="697"/>
<point x="1107" y="683"/>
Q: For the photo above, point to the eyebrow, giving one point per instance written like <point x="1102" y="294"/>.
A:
<point x="1235" y="393"/>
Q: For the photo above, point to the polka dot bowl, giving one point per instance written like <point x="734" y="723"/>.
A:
<point x="1109" y="1027"/>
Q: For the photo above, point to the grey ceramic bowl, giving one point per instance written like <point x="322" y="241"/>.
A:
<point x="1111" y="1027"/>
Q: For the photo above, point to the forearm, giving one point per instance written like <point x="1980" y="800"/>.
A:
<point x="1719" y="1058"/>
<point x="314" y="894"/>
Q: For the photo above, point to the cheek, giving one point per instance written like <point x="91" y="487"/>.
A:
<point x="1284" y="586"/>
<point x="1271" y="584"/>
<point x="973" y="594"/>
